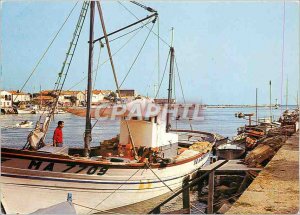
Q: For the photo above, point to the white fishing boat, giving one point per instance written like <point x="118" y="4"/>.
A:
<point x="24" y="124"/>
<point x="25" y="111"/>
<point x="146" y="160"/>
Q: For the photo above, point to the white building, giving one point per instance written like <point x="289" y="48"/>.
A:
<point x="98" y="95"/>
<point x="6" y="99"/>
<point x="20" y="96"/>
<point x="71" y="98"/>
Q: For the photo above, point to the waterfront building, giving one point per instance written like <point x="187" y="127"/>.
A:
<point x="18" y="96"/>
<point x="6" y="99"/>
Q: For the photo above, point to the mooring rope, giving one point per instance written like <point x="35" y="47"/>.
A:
<point x="149" y="167"/>
<point x="115" y="190"/>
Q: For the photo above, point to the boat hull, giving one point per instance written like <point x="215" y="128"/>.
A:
<point x="230" y="154"/>
<point x="29" y="183"/>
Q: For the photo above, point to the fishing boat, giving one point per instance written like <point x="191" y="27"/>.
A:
<point x="230" y="150"/>
<point x="144" y="161"/>
<point x="24" y="124"/>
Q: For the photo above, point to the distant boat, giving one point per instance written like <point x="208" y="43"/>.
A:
<point x="24" y="124"/>
<point x="143" y="162"/>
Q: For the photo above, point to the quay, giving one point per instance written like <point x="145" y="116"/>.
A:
<point x="276" y="189"/>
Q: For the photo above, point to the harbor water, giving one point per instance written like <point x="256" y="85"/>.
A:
<point x="216" y="120"/>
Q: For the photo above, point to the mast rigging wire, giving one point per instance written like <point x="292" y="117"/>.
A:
<point x="126" y="43"/>
<point x="138" y="54"/>
<point x="182" y="89"/>
<point x="142" y="22"/>
<point x="47" y="49"/>
<point x="162" y="76"/>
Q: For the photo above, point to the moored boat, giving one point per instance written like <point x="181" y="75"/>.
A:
<point x="146" y="160"/>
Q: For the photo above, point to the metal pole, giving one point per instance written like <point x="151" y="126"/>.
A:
<point x="170" y="88"/>
<point x="287" y="89"/>
<point x="88" y="126"/>
<point x="256" y="112"/>
<point x="270" y="101"/>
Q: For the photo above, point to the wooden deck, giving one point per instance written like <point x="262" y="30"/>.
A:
<point x="232" y="166"/>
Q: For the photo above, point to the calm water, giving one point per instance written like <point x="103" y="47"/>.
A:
<point x="217" y="120"/>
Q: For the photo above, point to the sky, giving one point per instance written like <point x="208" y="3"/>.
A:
<point x="224" y="49"/>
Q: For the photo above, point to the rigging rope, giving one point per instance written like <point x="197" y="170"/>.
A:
<point x="97" y="68"/>
<point x="47" y="49"/>
<point x="138" y="54"/>
<point x="163" y="75"/>
<point x="142" y="22"/>
<point x="182" y="89"/>
<point x="158" y="53"/>
<point x="127" y="42"/>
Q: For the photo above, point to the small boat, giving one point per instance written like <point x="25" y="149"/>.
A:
<point x="147" y="159"/>
<point x="239" y="115"/>
<point x="230" y="151"/>
<point x="24" y="124"/>
<point x="25" y="111"/>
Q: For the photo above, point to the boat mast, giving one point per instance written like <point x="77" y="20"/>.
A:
<point x="286" y="97"/>
<point x="256" y="111"/>
<point x="270" y="101"/>
<point x="88" y="125"/>
<point x="172" y="51"/>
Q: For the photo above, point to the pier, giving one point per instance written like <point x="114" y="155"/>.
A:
<point x="276" y="189"/>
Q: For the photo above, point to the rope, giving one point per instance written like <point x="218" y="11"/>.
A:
<point x="94" y="208"/>
<point x="97" y="68"/>
<point x="130" y="31"/>
<point x="127" y="42"/>
<point x="115" y="190"/>
<point x="182" y="89"/>
<point x="282" y="57"/>
<point x="162" y="76"/>
<point x="108" y="58"/>
<point x="47" y="49"/>
<point x="138" y="54"/>
<point x="142" y="22"/>
<point x="158" y="53"/>
<point x="147" y="164"/>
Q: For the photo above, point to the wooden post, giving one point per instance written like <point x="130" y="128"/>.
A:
<point x="156" y="210"/>
<point x="210" y="198"/>
<point x="186" y="194"/>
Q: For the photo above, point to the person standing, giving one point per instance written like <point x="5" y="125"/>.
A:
<point x="58" y="135"/>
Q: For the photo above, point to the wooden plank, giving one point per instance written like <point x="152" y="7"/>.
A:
<point x="231" y="165"/>
<point x="211" y="189"/>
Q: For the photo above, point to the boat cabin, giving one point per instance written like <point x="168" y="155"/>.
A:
<point x="148" y="132"/>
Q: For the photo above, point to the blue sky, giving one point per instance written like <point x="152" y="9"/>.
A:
<point x="224" y="50"/>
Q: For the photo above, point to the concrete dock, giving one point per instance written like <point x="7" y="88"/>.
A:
<point x="276" y="189"/>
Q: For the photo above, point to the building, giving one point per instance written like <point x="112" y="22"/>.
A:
<point x="66" y="98"/>
<point x="71" y="98"/>
<point x="127" y="93"/>
<point x="18" y="96"/>
<point x="6" y="99"/>
<point x="43" y="100"/>
<point x="98" y="96"/>
<point x="163" y="101"/>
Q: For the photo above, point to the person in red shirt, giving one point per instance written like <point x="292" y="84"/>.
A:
<point x="58" y="135"/>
